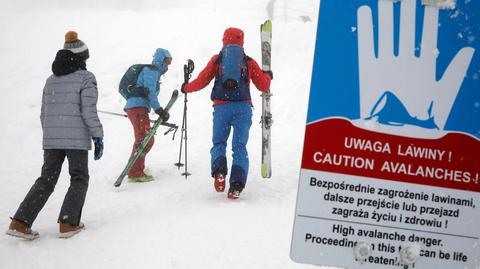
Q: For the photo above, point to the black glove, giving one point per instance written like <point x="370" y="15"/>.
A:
<point x="98" y="142"/>
<point x="163" y="114"/>
<point x="269" y="73"/>
<point x="182" y="89"/>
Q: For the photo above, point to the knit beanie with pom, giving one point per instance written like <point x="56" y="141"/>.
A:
<point x="75" y="45"/>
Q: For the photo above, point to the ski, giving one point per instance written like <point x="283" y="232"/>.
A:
<point x="266" y="120"/>
<point x="147" y="138"/>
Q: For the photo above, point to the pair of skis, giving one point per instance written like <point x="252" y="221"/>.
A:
<point x="266" y="119"/>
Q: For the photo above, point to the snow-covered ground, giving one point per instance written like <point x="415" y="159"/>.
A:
<point x="171" y="222"/>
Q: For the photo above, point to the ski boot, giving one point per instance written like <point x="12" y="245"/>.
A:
<point x="219" y="182"/>
<point x="235" y="190"/>
<point x="141" y="179"/>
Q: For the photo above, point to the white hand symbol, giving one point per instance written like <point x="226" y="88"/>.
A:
<point x="412" y="79"/>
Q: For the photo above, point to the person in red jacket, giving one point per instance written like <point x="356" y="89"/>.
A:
<point x="233" y="70"/>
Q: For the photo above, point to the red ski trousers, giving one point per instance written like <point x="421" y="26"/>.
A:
<point x="141" y="125"/>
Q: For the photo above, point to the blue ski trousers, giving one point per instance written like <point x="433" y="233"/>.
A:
<point x="225" y="116"/>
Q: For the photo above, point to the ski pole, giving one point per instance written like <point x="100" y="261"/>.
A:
<point x="187" y="71"/>
<point x="179" y="163"/>
<point x="185" y="173"/>
<point x="171" y="125"/>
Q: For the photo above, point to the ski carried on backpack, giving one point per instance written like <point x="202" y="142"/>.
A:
<point x="266" y="120"/>
<point x="145" y="141"/>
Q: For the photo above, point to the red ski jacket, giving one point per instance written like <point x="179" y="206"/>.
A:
<point x="255" y="74"/>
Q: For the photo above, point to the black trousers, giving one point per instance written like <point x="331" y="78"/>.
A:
<point x="43" y="187"/>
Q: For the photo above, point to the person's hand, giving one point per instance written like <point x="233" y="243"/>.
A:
<point x="98" y="143"/>
<point x="417" y="88"/>
<point x="269" y="73"/>
<point x="182" y="89"/>
<point x="163" y="114"/>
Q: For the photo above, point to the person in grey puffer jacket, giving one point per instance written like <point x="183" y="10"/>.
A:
<point x="70" y="122"/>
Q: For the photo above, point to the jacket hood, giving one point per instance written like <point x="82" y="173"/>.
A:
<point x="67" y="62"/>
<point x="233" y="36"/>
<point x="159" y="57"/>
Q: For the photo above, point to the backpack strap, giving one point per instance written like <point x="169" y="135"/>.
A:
<point x="219" y="58"/>
<point x="152" y="66"/>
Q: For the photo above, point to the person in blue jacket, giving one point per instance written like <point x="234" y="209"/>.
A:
<point x="138" y="108"/>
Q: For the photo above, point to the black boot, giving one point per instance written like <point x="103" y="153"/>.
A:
<point x="235" y="190"/>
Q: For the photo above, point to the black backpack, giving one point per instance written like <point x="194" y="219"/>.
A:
<point x="128" y="84"/>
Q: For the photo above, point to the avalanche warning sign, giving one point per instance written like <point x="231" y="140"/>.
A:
<point x="390" y="174"/>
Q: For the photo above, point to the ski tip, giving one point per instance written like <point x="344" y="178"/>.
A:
<point x="267" y="26"/>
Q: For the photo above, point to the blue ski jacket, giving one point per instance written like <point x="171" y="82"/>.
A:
<point x="150" y="77"/>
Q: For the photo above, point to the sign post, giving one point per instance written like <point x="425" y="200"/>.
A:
<point x="390" y="174"/>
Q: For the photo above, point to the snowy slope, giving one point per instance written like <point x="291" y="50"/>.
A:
<point x="171" y="222"/>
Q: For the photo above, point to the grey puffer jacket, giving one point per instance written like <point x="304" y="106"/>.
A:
<point x="69" y="111"/>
